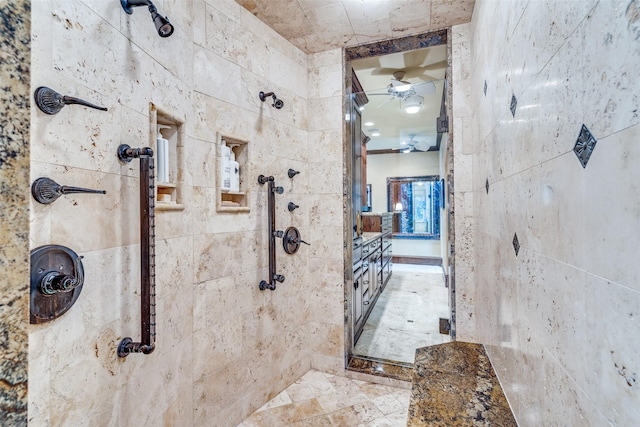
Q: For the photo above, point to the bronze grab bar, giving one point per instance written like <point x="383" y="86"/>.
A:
<point x="273" y="233"/>
<point x="147" y="253"/>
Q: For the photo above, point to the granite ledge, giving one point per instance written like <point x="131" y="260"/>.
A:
<point x="454" y="385"/>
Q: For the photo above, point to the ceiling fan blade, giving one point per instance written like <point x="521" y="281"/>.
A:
<point x="415" y="58"/>
<point x="422" y="146"/>
<point x="426" y="88"/>
<point x="436" y="65"/>
<point x="385" y="102"/>
<point x="384" y="71"/>
<point x="413" y="72"/>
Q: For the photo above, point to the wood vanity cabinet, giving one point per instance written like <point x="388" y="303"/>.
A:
<point x="376" y="264"/>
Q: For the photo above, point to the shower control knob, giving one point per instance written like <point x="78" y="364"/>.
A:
<point x="278" y="190"/>
<point x="279" y="278"/>
<point x="278" y="233"/>
<point x="291" y="240"/>
<point x="292" y="206"/>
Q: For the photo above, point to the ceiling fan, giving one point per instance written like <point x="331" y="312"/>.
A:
<point x="410" y="94"/>
<point x="403" y="89"/>
<point x="422" y="64"/>
<point x="412" y="145"/>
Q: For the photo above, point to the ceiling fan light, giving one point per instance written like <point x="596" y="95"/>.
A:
<point x="402" y="86"/>
<point x="413" y="104"/>
<point x="399" y="86"/>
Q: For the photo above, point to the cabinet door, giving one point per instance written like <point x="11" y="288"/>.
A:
<point x="373" y="274"/>
<point x="357" y="298"/>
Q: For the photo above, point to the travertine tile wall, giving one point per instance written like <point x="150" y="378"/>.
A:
<point x="224" y="347"/>
<point x="326" y="264"/>
<point x="465" y="285"/>
<point x="560" y="318"/>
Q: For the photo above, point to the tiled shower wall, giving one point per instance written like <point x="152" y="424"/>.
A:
<point x="224" y="347"/>
<point x="559" y="315"/>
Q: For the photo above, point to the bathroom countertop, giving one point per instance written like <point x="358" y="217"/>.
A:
<point x="375" y="213"/>
<point x="454" y="385"/>
<point x="368" y="236"/>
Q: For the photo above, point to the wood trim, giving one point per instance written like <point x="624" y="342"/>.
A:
<point x="421" y="260"/>
<point x="360" y="96"/>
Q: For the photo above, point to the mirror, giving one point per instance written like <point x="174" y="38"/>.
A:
<point x="415" y="202"/>
<point x="396" y="284"/>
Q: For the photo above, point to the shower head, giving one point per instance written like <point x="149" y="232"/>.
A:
<point x="163" y="26"/>
<point x="278" y="103"/>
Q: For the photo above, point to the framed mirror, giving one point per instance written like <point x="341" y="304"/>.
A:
<point x="415" y="203"/>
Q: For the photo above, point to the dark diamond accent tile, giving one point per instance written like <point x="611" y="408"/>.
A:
<point x="514" y="104"/>
<point x="516" y="244"/>
<point x="485" y="88"/>
<point x="584" y="146"/>
<point x="486" y="185"/>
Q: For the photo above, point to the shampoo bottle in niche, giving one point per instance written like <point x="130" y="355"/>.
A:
<point x="225" y="167"/>
<point x="162" y="157"/>
<point x="234" y="171"/>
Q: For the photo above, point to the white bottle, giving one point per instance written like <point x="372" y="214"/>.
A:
<point x="225" y="167"/>
<point x="162" y="156"/>
<point x="234" y="173"/>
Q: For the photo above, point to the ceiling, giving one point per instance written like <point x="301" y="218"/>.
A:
<point x="319" y="25"/>
<point x="422" y="67"/>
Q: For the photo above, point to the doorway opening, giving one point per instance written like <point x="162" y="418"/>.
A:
<point x="399" y="288"/>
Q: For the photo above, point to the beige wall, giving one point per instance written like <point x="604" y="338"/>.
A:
<point x="224" y="347"/>
<point x="560" y="318"/>
<point x="382" y="166"/>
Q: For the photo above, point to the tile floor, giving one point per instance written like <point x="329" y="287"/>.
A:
<point x="318" y="400"/>
<point x="406" y="315"/>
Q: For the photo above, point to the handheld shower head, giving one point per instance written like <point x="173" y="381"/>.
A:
<point x="163" y="26"/>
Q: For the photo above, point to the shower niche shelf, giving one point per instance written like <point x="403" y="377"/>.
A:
<point x="229" y="197"/>
<point x="167" y="141"/>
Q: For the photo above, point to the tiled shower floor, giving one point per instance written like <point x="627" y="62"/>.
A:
<point x="406" y="315"/>
<point x="319" y="400"/>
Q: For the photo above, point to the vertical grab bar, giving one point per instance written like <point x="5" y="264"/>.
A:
<point x="273" y="233"/>
<point x="147" y="253"/>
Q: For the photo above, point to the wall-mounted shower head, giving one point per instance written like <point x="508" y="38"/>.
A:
<point x="163" y="26"/>
<point x="51" y="102"/>
<point x="278" y="103"/>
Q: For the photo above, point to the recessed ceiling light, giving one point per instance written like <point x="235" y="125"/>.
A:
<point x="374" y="132"/>
<point x="369" y="123"/>
<point x="361" y="108"/>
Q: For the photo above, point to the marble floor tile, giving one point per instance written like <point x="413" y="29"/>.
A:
<point x="406" y="315"/>
<point x="333" y="401"/>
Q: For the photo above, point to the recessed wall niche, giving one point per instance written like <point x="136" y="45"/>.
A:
<point x="232" y="191"/>
<point x="167" y="141"/>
